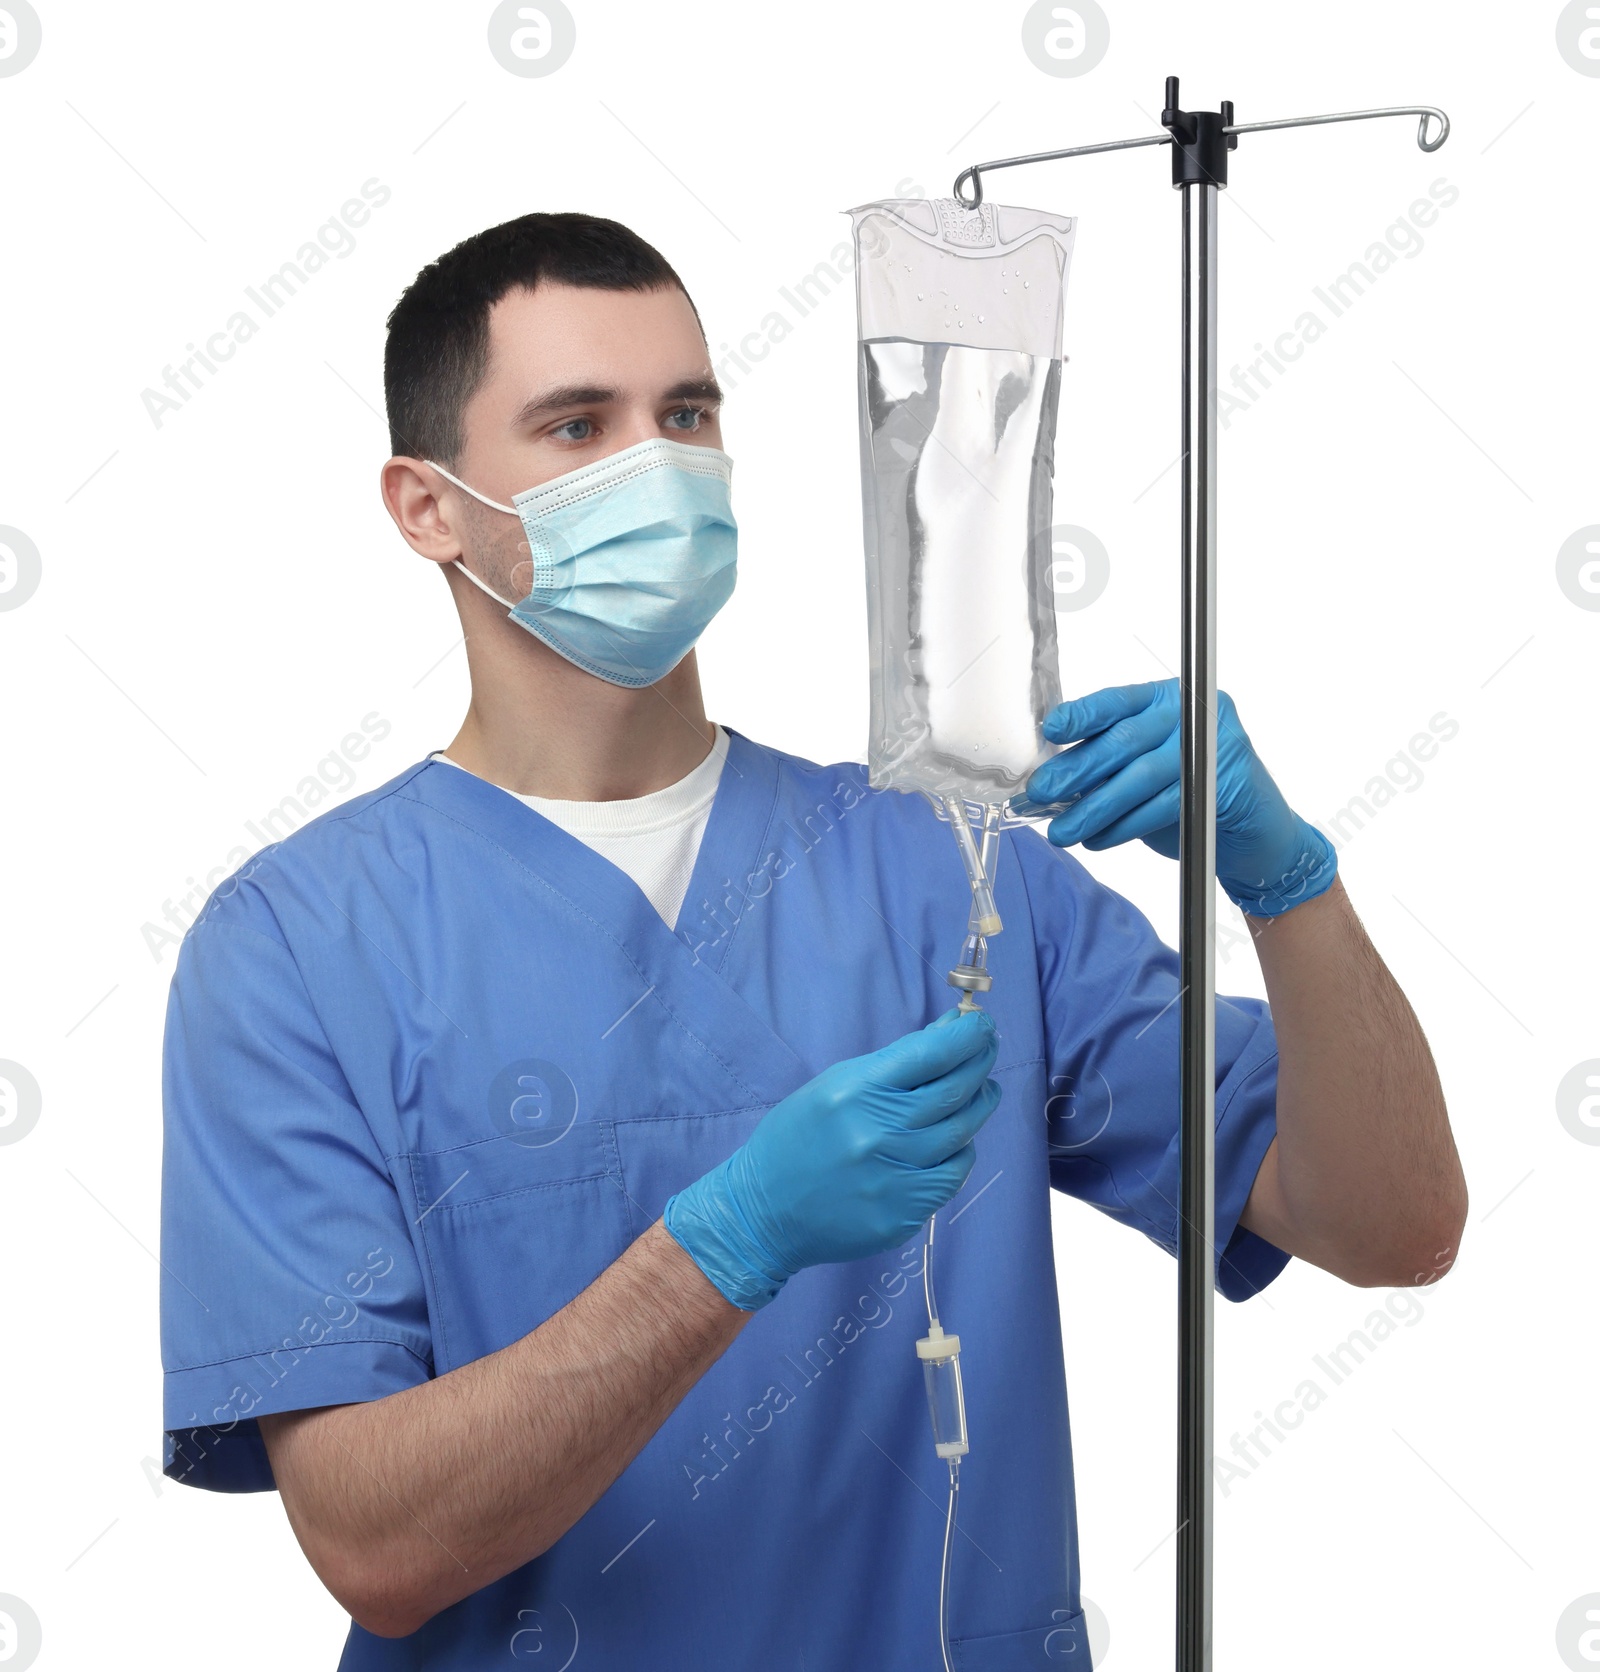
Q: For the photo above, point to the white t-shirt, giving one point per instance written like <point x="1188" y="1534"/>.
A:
<point x="654" y="838"/>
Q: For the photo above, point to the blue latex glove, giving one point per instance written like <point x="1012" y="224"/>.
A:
<point x="1120" y="781"/>
<point x="849" y="1165"/>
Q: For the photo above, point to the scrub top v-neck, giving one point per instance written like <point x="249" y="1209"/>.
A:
<point x="432" y="1064"/>
<point x="653" y="838"/>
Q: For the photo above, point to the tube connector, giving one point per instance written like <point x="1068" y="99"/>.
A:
<point x="985" y="919"/>
<point x="936" y="1345"/>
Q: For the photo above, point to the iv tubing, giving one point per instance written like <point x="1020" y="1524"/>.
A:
<point x="955" y="1463"/>
<point x="988" y="919"/>
<point x="927" y="1272"/>
<point x="944" y="1570"/>
<point x="983" y="920"/>
<point x="991" y="839"/>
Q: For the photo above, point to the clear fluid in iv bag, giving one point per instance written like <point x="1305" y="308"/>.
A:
<point x="958" y="448"/>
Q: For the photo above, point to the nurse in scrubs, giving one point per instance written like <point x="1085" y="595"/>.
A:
<point x="549" y="1131"/>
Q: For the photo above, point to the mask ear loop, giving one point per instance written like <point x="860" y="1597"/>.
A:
<point x="494" y="505"/>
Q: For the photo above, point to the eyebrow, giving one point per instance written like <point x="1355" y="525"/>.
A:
<point x="696" y="388"/>
<point x="593" y="394"/>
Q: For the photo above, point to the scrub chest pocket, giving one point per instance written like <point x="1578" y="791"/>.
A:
<point x="510" y="1232"/>
<point x="513" y="1228"/>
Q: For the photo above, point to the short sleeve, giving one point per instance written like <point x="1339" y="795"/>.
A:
<point x="1110" y="992"/>
<point x="288" y="1276"/>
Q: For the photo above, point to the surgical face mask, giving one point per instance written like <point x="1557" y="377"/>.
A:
<point x="632" y="557"/>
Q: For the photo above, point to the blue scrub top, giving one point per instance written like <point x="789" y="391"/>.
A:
<point x="432" y="1064"/>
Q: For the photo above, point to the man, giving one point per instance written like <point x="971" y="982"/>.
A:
<point x="549" y="1131"/>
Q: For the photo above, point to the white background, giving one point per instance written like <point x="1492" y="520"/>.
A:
<point x="222" y="599"/>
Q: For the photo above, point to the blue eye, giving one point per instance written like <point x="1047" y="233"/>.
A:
<point x="560" y="429"/>
<point x="694" y="414"/>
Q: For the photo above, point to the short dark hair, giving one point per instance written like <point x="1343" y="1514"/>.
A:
<point x="438" y="345"/>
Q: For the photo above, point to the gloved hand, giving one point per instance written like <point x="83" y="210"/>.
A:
<point x="850" y="1164"/>
<point x="1121" y="781"/>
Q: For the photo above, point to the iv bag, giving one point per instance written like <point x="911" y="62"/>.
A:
<point x="959" y="321"/>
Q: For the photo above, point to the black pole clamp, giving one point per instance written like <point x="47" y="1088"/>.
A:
<point x="1200" y="147"/>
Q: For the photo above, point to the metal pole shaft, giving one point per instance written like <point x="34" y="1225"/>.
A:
<point x="1197" y="840"/>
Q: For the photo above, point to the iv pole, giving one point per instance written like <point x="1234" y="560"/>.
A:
<point x="1200" y="141"/>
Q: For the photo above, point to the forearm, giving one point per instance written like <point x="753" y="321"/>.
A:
<point x="1363" y="1179"/>
<point x="409" y="1503"/>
